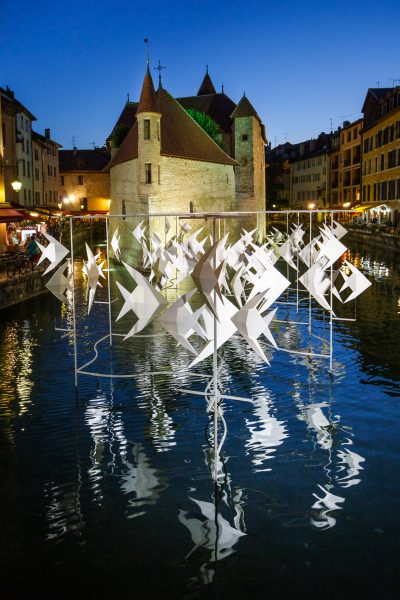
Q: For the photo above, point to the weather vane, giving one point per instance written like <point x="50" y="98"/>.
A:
<point x="146" y="41"/>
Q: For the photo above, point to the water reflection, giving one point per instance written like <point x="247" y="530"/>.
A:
<point x="141" y="481"/>
<point x="213" y="536"/>
<point x="16" y="368"/>
<point x="64" y="514"/>
<point x="266" y="433"/>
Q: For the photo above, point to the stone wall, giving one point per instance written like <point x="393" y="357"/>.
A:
<point x="250" y="175"/>
<point x="13" y="291"/>
<point x="96" y="189"/>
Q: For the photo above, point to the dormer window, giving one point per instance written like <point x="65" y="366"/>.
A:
<point x="146" y="132"/>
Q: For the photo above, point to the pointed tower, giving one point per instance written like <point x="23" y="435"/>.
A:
<point x="249" y="142"/>
<point x="207" y="86"/>
<point x="149" y="134"/>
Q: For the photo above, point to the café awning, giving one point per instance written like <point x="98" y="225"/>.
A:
<point x="10" y="215"/>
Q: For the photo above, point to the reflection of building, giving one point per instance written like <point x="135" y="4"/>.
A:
<point x="84" y="185"/>
<point x="381" y="153"/>
<point x="45" y="169"/>
<point x="309" y="174"/>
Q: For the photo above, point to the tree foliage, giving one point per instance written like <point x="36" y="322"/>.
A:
<point x="207" y="124"/>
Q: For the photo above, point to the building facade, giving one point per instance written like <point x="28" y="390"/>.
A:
<point x="46" y="180"/>
<point x="349" y="168"/>
<point x="84" y="185"/>
<point x="167" y="163"/>
<point x="381" y="154"/>
<point x="310" y="173"/>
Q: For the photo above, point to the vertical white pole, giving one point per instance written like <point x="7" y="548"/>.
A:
<point x="331" y="317"/>
<point x="309" y="295"/>
<point x="287" y="233"/>
<point x="109" y="281"/>
<point x="215" y="367"/>
<point x="73" y="304"/>
<point x="297" y="278"/>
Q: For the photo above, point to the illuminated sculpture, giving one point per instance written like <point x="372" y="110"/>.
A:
<point x="235" y="284"/>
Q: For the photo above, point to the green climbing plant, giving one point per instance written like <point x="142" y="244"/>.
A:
<point x="207" y="124"/>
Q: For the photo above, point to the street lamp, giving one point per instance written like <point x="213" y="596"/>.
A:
<point x="16" y="184"/>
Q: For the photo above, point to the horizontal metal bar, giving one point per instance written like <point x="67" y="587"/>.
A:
<point x="212" y="215"/>
<point x="210" y="394"/>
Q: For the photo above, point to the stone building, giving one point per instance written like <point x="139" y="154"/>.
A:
<point x="309" y="174"/>
<point x="17" y="148"/>
<point x="84" y="185"/>
<point x="381" y="155"/>
<point x="349" y="168"/>
<point x="167" y="163"/>
<point x="278" y="174"/>
<point x="45" y="170"/>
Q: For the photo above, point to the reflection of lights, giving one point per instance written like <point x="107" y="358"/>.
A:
<point x="346" y="205"/>
<point x="311" y="205"/>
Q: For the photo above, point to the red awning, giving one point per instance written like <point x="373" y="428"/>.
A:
<point x="9" y="215"/>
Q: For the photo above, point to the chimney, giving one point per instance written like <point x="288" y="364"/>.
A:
<point x="10" y="92"/>
<point x="47" y="134"/>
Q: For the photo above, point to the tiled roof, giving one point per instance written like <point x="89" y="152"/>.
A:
<point x="218" y="106"/>
<point x="181" y="137"/>
<point x="148" y="97"/>
<point x="9" y="97"/>
<point x="83" y="160"/>
<point x="44" y="140"/>
<point x="207" y="86"/>
<point x="245" y="109"/>
<point x="128" y="149"/>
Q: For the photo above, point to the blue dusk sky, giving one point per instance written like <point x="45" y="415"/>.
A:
<point x="301" y="63"/>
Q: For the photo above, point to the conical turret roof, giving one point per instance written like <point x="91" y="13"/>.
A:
<point x="207" y="86"/>
<point x="245" y="109"/>
<point x="148" y="97"/>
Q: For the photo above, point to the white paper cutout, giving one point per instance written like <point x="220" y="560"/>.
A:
<point x="144" y="301"/>
<point x="54" y="252"/>
<point x="58" y="284"/>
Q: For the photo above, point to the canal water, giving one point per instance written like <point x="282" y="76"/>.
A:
<point x="109" y="491"/>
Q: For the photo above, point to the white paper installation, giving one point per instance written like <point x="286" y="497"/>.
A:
<point x="239" y="286"/>
<point x="238" y="282"/>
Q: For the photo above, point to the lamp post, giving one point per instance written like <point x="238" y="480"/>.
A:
<point x="16" y="184"/>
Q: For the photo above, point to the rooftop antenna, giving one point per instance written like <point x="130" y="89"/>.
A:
<point x="159" y="68"/>
<point x="394" y="81"/>
<point x="73" y="140"/>
<point x="93" y="144"/>
<point x="378" y="83"/>
<point x="127" y="97"/>
<point x="222" y="86"/>
<point x="331" y="123"/>
<point x="146" y="41"/>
